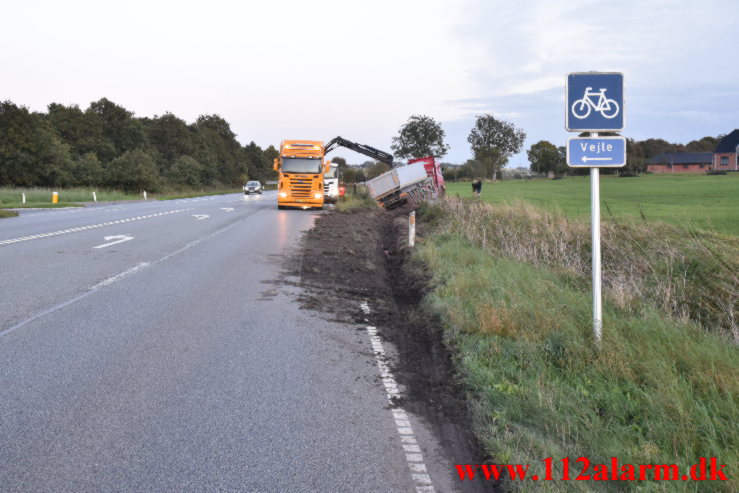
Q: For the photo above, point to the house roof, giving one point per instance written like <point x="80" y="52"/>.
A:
<point x="682" y="158"/>
<point x="729" y="143"/>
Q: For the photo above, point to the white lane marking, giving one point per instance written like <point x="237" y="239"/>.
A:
<point x="200" y="217"/>
<point x="227" y="209"/>
<point x="118" y="277"/>
<point x="111" y="280"/>
<point x="92" y="226"/>
<point x="413" y="454"/>
<point x="117" y="238"/>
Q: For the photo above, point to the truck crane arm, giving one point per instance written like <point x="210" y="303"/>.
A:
<point x="376" y="154"/>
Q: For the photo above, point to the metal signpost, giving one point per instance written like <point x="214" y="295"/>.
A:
<point x="595" y="103"/>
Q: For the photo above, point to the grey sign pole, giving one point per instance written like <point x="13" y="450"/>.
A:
<point x="595" y="232"/>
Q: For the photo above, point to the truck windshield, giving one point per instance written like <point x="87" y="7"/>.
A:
<point x="301" y="165"/>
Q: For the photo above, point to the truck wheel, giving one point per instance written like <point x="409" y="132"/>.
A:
<point x="280" y="207"/>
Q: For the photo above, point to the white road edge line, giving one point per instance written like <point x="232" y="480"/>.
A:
<point x="413" y="455"/>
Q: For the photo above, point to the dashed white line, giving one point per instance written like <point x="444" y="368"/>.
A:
<point x="84" y="228"/>
<point x="413" y="455"/>
<point x="93" y="289"/>
<point x="118" y="277"/>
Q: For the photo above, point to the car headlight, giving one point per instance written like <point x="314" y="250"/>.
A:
<point x="282" y="194"/>
<point x="318" y="195"/>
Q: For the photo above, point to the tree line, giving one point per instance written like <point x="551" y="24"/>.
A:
<point x="492" y="141"/>
<point x="545" y="157"/>
<point x="106" y="145"/>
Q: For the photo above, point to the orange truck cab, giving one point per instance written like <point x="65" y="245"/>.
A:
<point x="301" y="169"/>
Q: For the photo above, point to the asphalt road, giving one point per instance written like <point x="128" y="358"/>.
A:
<point x="180" y="360"/>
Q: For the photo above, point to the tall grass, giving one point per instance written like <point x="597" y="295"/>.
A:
<point x="690" y="275"/>
<point x="659" y="391"/>
<point x="359" y="199"/>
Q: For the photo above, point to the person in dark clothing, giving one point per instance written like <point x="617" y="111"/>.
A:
<point x="477" y="187"/>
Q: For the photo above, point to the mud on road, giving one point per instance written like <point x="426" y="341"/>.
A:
<point x="360" y="255"/>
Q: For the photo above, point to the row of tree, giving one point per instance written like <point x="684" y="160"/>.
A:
<point x="107" y="145"/>
<point x="545" y="157"/>
<point x="492" y="141"/>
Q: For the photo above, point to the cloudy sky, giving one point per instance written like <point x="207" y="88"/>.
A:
<point x="321" y="68"/>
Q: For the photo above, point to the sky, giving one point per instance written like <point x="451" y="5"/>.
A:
<point x="317" y="69"/>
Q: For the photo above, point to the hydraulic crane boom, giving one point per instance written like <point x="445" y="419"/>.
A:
<point x="376" y="154"/>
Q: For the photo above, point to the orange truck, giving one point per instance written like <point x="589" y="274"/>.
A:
<point x="301" y="169"/>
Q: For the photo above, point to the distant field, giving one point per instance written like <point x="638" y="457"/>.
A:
<point x="705" y="202"/>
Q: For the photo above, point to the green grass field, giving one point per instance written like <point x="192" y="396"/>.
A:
<point x="705" y="202"/>
<point x="659" y="391"/>
<point x="511" y="284"/>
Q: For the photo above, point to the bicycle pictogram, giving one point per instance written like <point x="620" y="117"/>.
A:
<point x="608" y="108"/>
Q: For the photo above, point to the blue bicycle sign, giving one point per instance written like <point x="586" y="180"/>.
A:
<point x="591" y="110"/>
<point x="608" y="108"/>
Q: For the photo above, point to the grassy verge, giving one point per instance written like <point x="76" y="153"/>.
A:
<point x="39" y="205"/>
<point x="12" y="197"/>
<point x="691" y="201"/>
<point x="356" y="200"/>
<point x="662" y="389"/>
<point x="7" y="214"/>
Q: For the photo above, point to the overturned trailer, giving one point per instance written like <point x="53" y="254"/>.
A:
<point x="419" y="180"/>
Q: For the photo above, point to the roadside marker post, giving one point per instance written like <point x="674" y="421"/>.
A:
<point x="594" y="102"/>
<point x="23" y="194"/>
<point x="412" y="229"/>
<point x="54" y="197"/>
<point x="94" y="197"/>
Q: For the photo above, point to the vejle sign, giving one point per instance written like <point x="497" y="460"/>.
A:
<point x="603" y="152"/>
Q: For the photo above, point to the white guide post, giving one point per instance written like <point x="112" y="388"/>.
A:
<point x="94" y="196"/>
<point x="412" y="229"/>
<point x="595" y="231"/>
